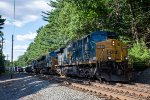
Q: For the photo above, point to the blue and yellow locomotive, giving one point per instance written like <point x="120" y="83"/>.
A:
<point x="99" y="55"/>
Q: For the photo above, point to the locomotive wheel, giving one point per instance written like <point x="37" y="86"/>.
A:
<point x="98" y="76"/>
<point x="41" y="72"/>
<point x="62" y="72"/>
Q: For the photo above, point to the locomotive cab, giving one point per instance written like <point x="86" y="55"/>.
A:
<point x="111" y="56"/>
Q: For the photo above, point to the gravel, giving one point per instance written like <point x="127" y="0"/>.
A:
<point x="26" y="87"/>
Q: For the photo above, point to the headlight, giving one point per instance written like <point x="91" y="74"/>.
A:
<point x="109" y="58"/>
<point x="113" y="42"/>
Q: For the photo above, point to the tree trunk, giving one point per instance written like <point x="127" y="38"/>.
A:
<point x="133" y="21"/>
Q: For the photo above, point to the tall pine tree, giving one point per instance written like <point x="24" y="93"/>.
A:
<point x="1" y="45"/>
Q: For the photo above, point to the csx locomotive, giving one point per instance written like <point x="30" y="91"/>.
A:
<point x="99" y="55"/>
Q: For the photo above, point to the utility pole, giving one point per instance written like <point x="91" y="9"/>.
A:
<point x="7" y="57"/>
<point x="1" y="47"/>
<point x="13" y="40"/>
<point x="3" y="56"/>
<point x="12" y="49"/>
<point x="2" y="43"/>
<point x="7" y="63"/>
<point x="12" y="55"/>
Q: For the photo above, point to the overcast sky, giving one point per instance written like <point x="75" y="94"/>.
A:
<point x="28" y="20"/>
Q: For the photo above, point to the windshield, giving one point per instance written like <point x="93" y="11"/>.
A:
<point x="112" y="35"/>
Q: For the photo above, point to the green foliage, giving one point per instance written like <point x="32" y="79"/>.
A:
<point x="139" y="53"/>
<point x="1" y="22"/>
<point x="8" y="63"/>
<point x="71" y="19"/>
<point x="2" y="58"/>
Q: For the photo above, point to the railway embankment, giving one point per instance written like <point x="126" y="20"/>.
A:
<point x="142" y="77"/>
<point x="30" y="87"/>
<point x="46" y="87"/>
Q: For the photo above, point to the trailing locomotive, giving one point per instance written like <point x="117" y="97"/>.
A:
<point x="44" y="64"/>
<point x="99" y="54"/>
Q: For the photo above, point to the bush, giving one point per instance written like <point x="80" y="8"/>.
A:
<point x="139" y="54"/>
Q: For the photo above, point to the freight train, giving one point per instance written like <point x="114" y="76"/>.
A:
<point x="99" y="54"/>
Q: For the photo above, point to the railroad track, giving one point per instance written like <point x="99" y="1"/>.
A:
<point x="122" y="92"/>
<point x="118" y="91"/>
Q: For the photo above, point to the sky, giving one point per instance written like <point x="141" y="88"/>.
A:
<point x="28" y="19"/>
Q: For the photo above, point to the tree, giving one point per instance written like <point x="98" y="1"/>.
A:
<point x="1" y="45"/>
<point x="71" y="19"/>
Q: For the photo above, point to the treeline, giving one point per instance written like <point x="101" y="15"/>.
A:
<point x="2" y="57"/>
<point x="71" y="19"/>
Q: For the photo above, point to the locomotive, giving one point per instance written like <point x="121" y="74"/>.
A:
<point x="44" y="64"/>
<point x="99" y="55"/>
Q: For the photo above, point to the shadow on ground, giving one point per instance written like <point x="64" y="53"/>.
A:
<point x="21" y="85"/>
